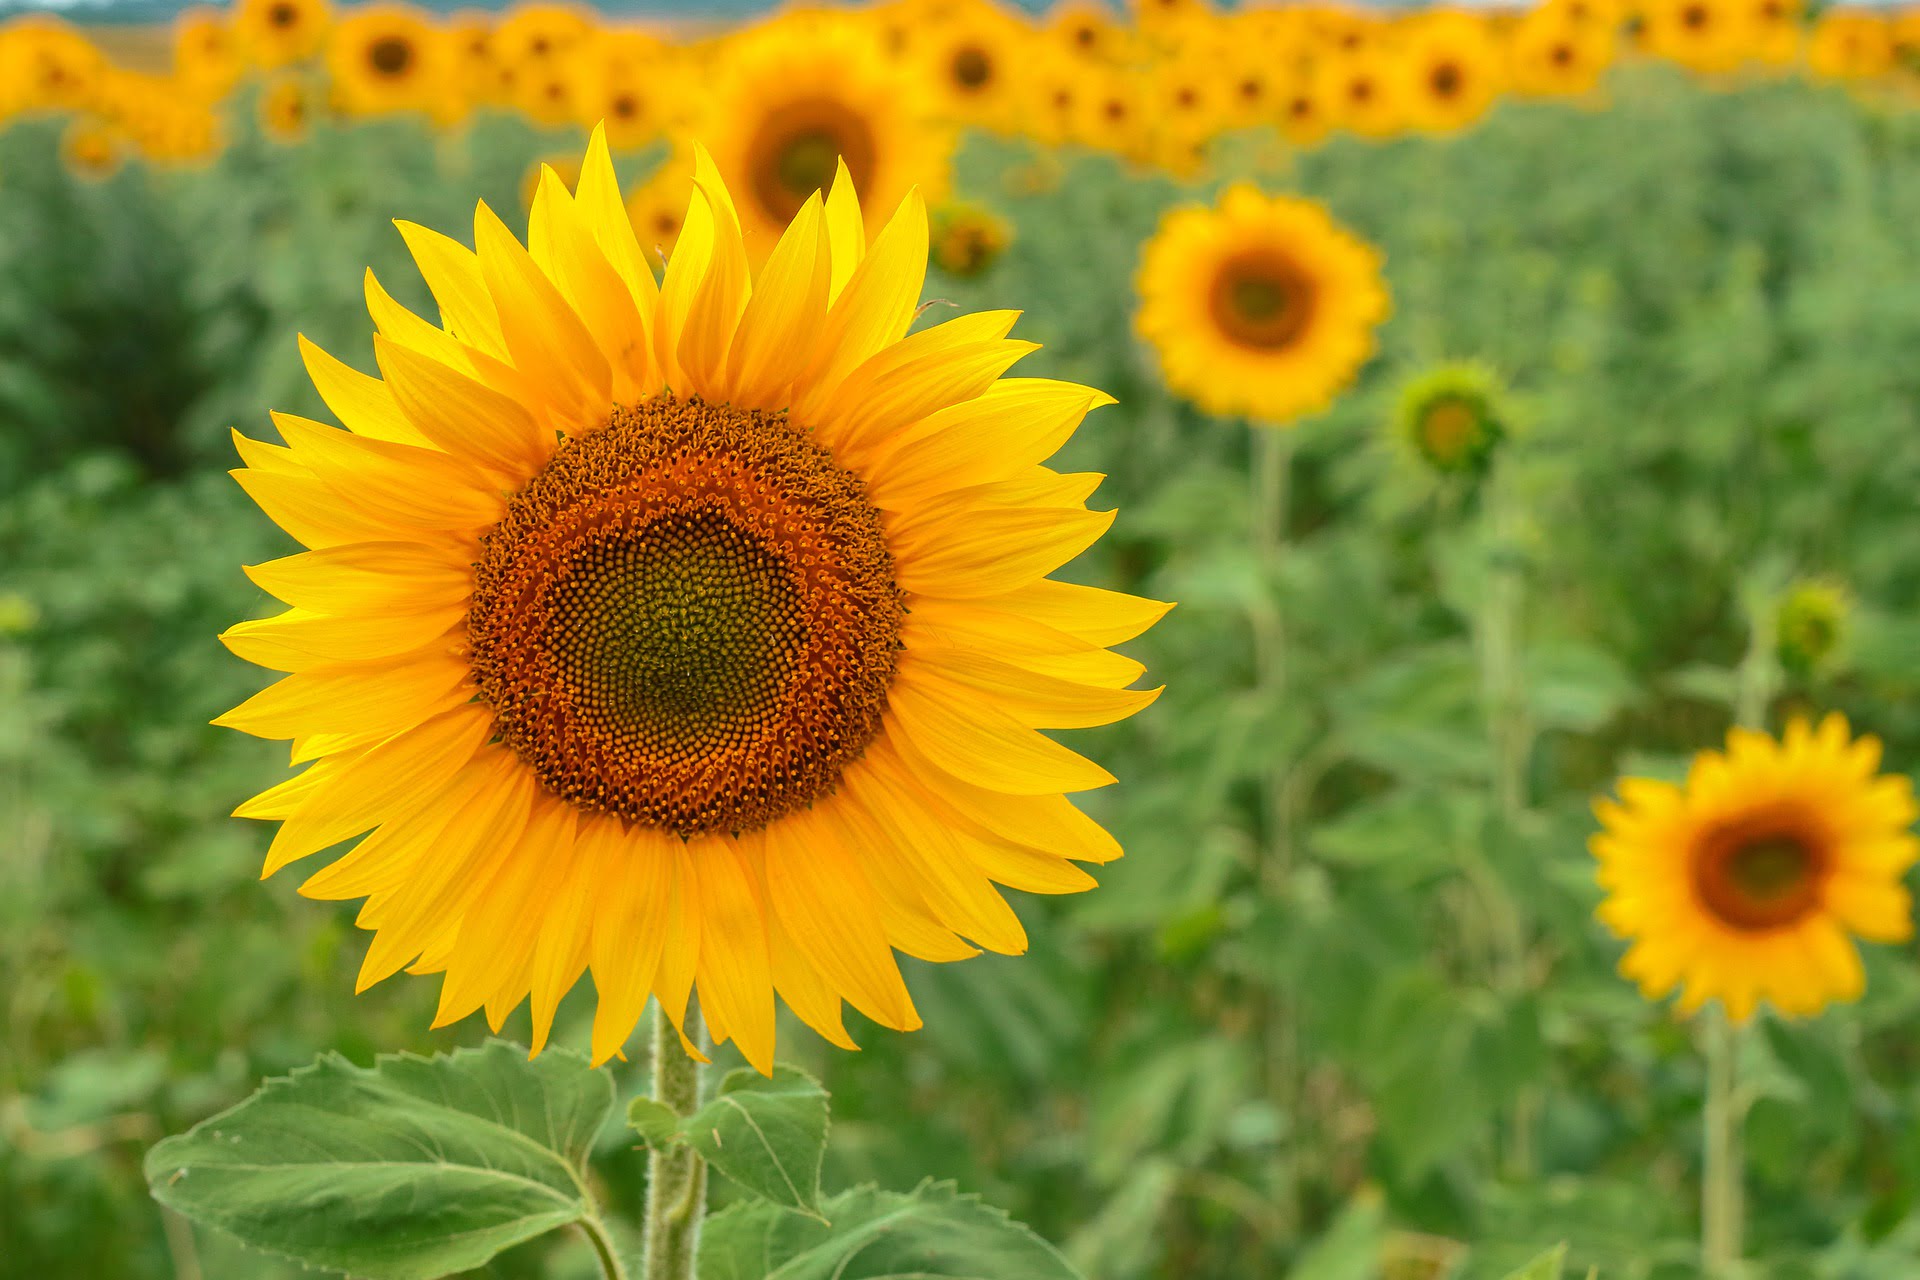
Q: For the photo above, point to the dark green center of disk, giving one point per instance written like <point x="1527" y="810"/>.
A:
<point x="796" y="149"/>
<point x="1756" y="875"/>
<point x="687" y="619"/>
<point x="1261" y="300"/>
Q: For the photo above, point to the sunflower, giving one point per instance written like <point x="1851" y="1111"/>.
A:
<point x="1086" y="30"/>
<point x="696" y="633"/>
<point x="46" y="63"/>
<point x="793" y="101"/>
<point x="1301" y="112"/>
<point x="1810" y="626"/>
<point x="1453" y="68"/>
<point x="286" y="110"/>
<point x="206" y="53"/>
<point x="1750" y="882"/>
<point x="1364" y="91"/>
<point x="1553" y="55"/>
<point x="90" y="149"/>
<point x="1055" y="86"/>
<point x="1773" y="31"/>
<point x="385" y="58"/>
<point x="630" y="81"/>
<point x="967" y="239"/>
<point x="1262" y="307"/>
<point x="1850" y="45"/>
<point x="1706" y="36"/>
<point x="1452" y="418"/>
<point x="276" y="32"/>
<point x="1110" y="117"/>
<point x="972" y="60"/>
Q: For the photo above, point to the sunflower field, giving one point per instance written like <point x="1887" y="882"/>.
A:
<point x="1434" y="488"/>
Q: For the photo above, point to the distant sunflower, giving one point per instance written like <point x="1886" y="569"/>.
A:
<point x="967" y="239"/>
<point x="1773" y="31"/>
<point x="1810" y="627"/>
<point x="286" y="110"/>
<point x="791" y="102"/>
<point x="206" y="53"/>
<point x="1452" y="418"/>
<point x="46" y="63"/>
<point x="1751" y="881"/>
<point x="696" y="633"/>
<point x="1454" y="70"/>
<point x="1552" y="55"/>
<point x="1701" y="35"/>
<point x="1300" y="110"/>
<point x="971" y="60"/>
<point x="631" y="82"/>
<point x="1850" y="45"/>
<point x="276" y="32"/>
<point x="1261" y="306"/>
<point x="1086" y="30"/>
<point x="385" y="58"/>
<point x="1364" y="92"/>
<point x="90" y="149"/>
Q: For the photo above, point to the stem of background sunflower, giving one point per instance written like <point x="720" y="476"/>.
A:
<point x="677" y="1176"/>
<point x="1273" y="851"/>
<point x="1498" y="639"/>
<point x="1723" y="1173"/>
<point x="1721" y="1182"/>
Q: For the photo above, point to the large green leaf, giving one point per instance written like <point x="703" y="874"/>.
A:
<point x="415" y="1168"/>
<point x="932" y="1233"/>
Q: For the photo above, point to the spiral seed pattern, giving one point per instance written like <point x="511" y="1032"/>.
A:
<point x="688" y="619"/>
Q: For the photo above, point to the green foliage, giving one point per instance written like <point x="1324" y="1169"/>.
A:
<point x="767" y="1134"/>
<point x="1704" y="304"/>
<point x="417" y="1168"/>
<point x="930" y="1233"/>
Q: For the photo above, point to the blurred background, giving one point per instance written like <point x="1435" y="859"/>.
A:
<point x="1368" y="1030"/>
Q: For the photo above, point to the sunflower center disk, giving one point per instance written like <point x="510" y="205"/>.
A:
<point x="796" y="151"/>
<point x="1758" y="880"/>
<point x="1261" y="301"/>
<point x="687" y="619"/>
<point x="390" y="55"/>
<point x="1448" y="429"/>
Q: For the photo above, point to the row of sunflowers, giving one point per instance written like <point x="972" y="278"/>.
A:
<point x="889" y="85"/>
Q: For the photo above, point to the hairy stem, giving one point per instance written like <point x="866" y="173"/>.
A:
<point x="603" y="1249"/>
<point x="1721" y="1184"/>
<point x="676" y="1178"/>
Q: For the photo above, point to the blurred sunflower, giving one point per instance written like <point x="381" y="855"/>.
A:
<point x="206" y="53"/>
<point x="1086" y="30"/>
<point x="967" y="239"/>
<point x="1363" y="91"/>
<point x="631" y="82"/>
<point x="1850" y="45"/>
<point x="286" y="109"/>
<point x="971" y="60"/>
<point x="49" y="64"/>
<point x="695" y="633"/>
<point x="1774" y="29"/>
<point x="1751" y="881"/>
<point x="1553" y="55"/>
<point x="1110" y="117"/>
<point x="1301" y="113"/>
<point x="1701" y="35"/>
<point x="1453" y="67"/>
<point x="385" y="58"/>
<point x="274" y="33"/>
<point x="1452" y="418"/>
<point x="1810" y="627"/>
<point x="1261" y="306"/>
<point x="794" y="100"/>
<point x="90" y="149"/>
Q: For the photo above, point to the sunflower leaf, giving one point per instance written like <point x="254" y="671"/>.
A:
<point x="1548" y="1266"/>
<point x="767" y="1134"/>
<point x="931" y="1233"/>
<point x="408" y="1170"/>
<point x="657" y="1123"/>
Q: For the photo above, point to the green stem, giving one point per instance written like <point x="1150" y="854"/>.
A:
<point x="1497" y="636"/>
<point x="1722" y="1181"/>
<point x="1272" y="476"/>
<point x="603" y="1249"/>
<point x="676" y="1177"/>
